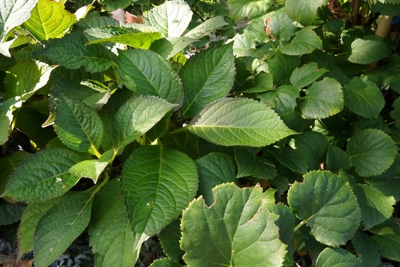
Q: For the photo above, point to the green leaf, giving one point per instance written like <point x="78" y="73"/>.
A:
<point x="145" y="72"/>
<point x="72" y="52"/>
<point x="304" y="42"/>
<point x="92" y="168"/>
<point x="387" y="236"/>
<point x="281" y="66"/>
<point x="111" y="5"/>
<point x="49" y="179"/>
<point x="207" y="76"/>
<point x="110" y="230"/>
<point x="214" y="169"/>
<point x="375" y="206"/>
<point x="142" y="40"/>
<point x="14" y="13"/>
<point x="286" y="225"/>
<point x="293" y="159"/>
<point x="323" y="99"/>
<point x="237" y="229"/>
<point x="279" y="26"/>
<point x="49" y="20"/>
<point x="8" y="164"/>
<point x="363" y="97"/>
<point x="248" y="164"/>
<point x="395" y="113"/>
<point x="371" y="152"/>
<point x="165" y="262"/>
<point x="327" y="205"/>
<point x="157" y="184"/>
<point x="368" y="50"/>
<point x="305" y="75"/>
<point x="60" y="226"/>
<point x="305" y="12"/>
<point x="239" y="122"/>
<point x="336" y="159"/>
<point x="78" y="126"/>
<point x="206" y="27"/>
<point x="313" y="147"/>
<point x="239" y="10"/>
<point x="21" y="82"/>
<point x="171" y="18"/>
<point x="366" y="249"/>
<point x="10" y="213"/>
<point x="170" y="238"/>
<point x="170" y="46"/>
<point x="30" y="218"/>
<point x="136" y="116"/>
<point x="282" y="99"/>
<point x="337" y="257"/>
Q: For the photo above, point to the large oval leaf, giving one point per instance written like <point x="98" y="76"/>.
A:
<point x="157" y="184"/>
<point x="371" y="152"/>
<point x="327" y="205"/>
<point x="60" y="226"/>
<point x="337" y="257"/>
<point x="207" y="76"/>
<point x="145" y="72"/>
<point x="42" y="176"/>
<point x="239" y="122"/>
<point x="238" y="229"/>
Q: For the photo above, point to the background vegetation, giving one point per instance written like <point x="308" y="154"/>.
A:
<point x="235" y="133"/>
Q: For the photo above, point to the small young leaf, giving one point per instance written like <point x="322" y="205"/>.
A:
<point x="110" y="230"/>
<point x="307" y="74"/>
<point x="375" y="206"/>
<point x="157" y="184"/>
<point x="145" y="72"/>
<point x="49" y="20"/>
<point x="238" y="227"/>
<point x="387" y="236"/>
<point x="207" y="76"/>
<point x="250" y="165"/>
<point x="366" y="249"/>
<point x="31" y="216"/>
<point x="171" y="18"/>
<point x="78" y="126"/>
<point x="305" y="12"/>
<point x="368" y="50"/>
<point x="60" y="226"/>
<point x="42" y="176"/>
<point x="14" y="13"/>
<point x="239" y="122"/>
<point x="239" y="10"/>
<point x="331" y="257"/>
<point x="323" y="99"/>
<point x="363" y="97"/>
<point x="282" y="100"/>
<point x="72" y="52"/>
<point x="304" y="42"/>
<point x="136" y="116"/>
<point x="214" y="169"/>
<point x="371" y="152"/>
<point x="327" y="205"/>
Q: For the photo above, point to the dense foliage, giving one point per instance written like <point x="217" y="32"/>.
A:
<point x="240" y="133"/>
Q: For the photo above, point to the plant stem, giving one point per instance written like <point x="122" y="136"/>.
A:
<point x="299" y="225"/>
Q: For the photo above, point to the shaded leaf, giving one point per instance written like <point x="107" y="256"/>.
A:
<point x="60" y="226"/>
<point x="157" y="184"/>
<point x="304" y="42"/>
<point x="110" y="230"/>
<point x="214" y="169"/>
<point x="363" y="97"/>
<point x="49" y="20"/>
<point x="239" y="10"/>
<point x="165" y="262"/>
<point x="281" y="66"/>
<point x="366" y="249"/>
<point x="78" y="126"/>
<point x="10" y="213"/>
<point x="387" y="236"/>
<point x="238" y="228"/>
<point x="249" y="164"/>
<point x="242" y="122"/>
<point x="206" y="27"/>
<point x="323" y="99"/>
<point x="331" y="257"/>
<point x="313" y="147"/>
<point x="49" y="179"/>
<point x="282" y="100"/>
<point x="146" y="73"/>
<point x="136" y="116"/>
<point x="305" y="75"/>
<point x="170" y="46"/>
<point x="371" y="152"/>
<point x="207" y="76"/>
<point x="169" y="238"/>
<point x="327" y="205"/>
<point x="336" y="159"/>
<point x="293" y="159"/>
